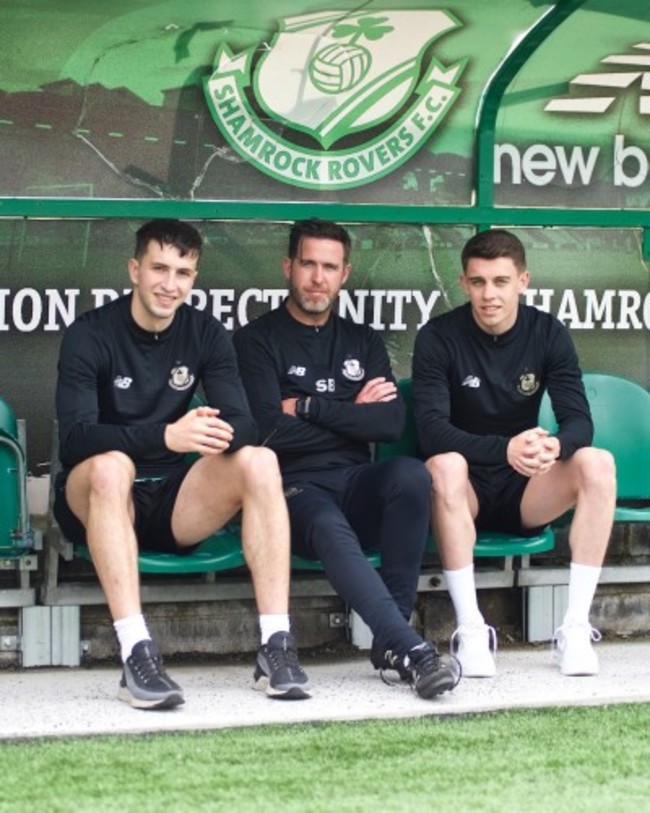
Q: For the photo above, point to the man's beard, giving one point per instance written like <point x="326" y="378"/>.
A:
<point x="308" y="305"/>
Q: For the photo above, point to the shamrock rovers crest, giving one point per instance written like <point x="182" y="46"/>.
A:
<point x="329" y="80"/>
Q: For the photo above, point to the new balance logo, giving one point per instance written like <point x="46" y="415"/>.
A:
<point x="472" y="381"/>
<point x="605" y="86"/>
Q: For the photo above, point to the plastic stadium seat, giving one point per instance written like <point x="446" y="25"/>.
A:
<point x="16" y="535"/>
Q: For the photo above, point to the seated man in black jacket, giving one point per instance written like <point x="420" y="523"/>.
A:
<point x="479" y="373"/>
<point x="127" y="374"/>
<point x="321" y="390"/>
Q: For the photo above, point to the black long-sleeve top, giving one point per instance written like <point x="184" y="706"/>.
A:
<point x="474" y="391"/>
<point x="280" y="358"/>
<point x="119" y="385"/>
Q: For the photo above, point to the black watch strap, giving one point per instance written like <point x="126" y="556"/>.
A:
<point x="302" y="408"/>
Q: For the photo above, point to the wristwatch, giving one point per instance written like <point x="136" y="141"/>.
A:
<point x="302" y="408"/>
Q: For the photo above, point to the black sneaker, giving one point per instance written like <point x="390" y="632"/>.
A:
<point x="386" y="661"/>
<point x="144" y="683"/>
<point x="278" y="672"/>
<point x="427" y="671"/>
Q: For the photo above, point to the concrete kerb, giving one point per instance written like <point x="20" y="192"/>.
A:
<point x="79" y="702"/>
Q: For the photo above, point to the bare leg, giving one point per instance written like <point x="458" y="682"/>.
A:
<point x="454" y="507"/>
<point x="587" y="481"/>
<point x="99" y="493"/>
<point x="215" y="489"/>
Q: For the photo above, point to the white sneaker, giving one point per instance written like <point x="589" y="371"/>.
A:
<point x="573" y="649"/>
<point x="475" y="646"/>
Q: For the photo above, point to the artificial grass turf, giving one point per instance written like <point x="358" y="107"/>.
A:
<point x="566" y="759"/>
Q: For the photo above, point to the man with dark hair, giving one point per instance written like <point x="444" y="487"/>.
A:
<point x="322" y="390"/>
<point x="479" y="373"/>
<point x="127" y="374"/>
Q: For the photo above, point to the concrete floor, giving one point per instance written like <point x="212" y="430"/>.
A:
<point x="56" y="702"/>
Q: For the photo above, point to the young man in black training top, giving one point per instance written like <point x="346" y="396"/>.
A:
<point x="479" y="373"/>
<point x="321" y="390"/>
<point x="127" y="374"/>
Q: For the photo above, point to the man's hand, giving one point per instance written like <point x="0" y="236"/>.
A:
<point x="199" y="430"/>
<point x="375" y="390"/>
<point x="289" y="406"/>
<point x="533" y="452"/>
<point x="549" y="453"/>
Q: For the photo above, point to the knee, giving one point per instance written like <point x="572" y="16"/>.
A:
<point x="410" y="476"/>
<point x="258" y="466"/>
<point x="449" y="475"/>
<point x="111" y="473"/>
<point x="597" y="470"/>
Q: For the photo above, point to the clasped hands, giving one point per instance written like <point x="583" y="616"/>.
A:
<point x="200" y="430"/>
<point x="533" y="451"/>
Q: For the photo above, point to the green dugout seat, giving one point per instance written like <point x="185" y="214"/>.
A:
<point x="300" y="563"/>
<point x="297" y="562"/>
<point x="620" y="410"/>
<point x="221" y="551"/>
<point x="16" y="535"/>
<point x="496" y="544"/>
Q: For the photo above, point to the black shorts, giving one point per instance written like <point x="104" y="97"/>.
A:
<point x="154" y="501"/>
<point x="499" y="490"/>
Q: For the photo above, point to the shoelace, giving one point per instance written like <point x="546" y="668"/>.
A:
<point x="148" y="666"/>
<point x="427" y="663"/>
<point x="594" y="636"/>
<point x="430" y="660"/>
<point x="284" y="656"/>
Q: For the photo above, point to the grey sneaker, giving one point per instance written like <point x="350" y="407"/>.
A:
<point x="278" y="672"/>
<point x="144" y="683"/>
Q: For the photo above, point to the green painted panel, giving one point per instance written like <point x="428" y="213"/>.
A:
<point x="195" y="100"/>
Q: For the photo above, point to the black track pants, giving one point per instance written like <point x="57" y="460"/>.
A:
<point x="337" y="514"/>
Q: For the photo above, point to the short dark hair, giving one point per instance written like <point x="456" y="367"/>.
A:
<point x="175" y="233"/>
<point x="488" y="245"/>
<point x="321" y="229"/>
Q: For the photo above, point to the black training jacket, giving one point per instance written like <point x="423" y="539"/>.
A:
<point x="119" y="385"/>
<point x="281" y="358"/>
<point x="473" y="391"/>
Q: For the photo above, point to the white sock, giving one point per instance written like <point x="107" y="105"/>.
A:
<point x="130" y="631"/>
<point x="583" y="580"/>
<point x="462" y="589"/>
<point x="270" y="624"/>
